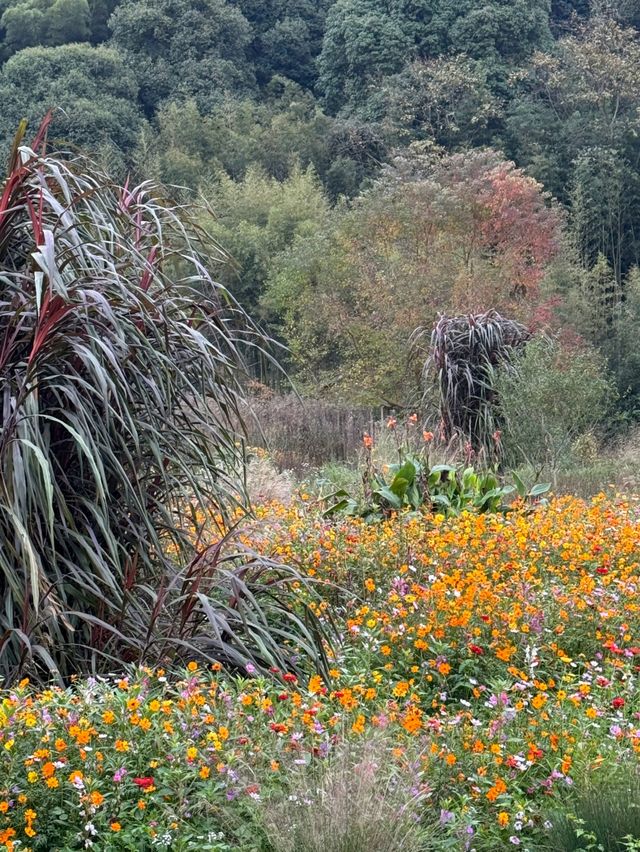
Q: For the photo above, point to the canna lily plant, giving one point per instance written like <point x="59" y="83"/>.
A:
<point x="121" y="366"/>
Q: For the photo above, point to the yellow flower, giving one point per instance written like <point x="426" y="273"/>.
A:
<point x="121" y="745"/>
<point x="358" y="725"/>
<point x="204" y="772"/>
<point x="503" y="819"/>
<point x="115" y="826"/>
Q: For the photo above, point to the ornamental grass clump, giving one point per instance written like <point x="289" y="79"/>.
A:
<point x="360" y="800"/>
<point x="114" y="342"/>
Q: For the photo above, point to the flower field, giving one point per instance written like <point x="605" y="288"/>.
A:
<point x="493" y="658"/>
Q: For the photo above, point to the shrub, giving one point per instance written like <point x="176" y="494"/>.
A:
<point x="551" y="398"/>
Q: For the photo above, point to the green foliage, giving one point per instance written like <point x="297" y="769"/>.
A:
<point x="183" y="49"/>
<point x="448" y="100"/>
<point x="551" y="397"/>
<point x="93" y="91"/>
<point x="434" y="233"/>
<point x="49" y="23"/>
<point x="109" y="441"/>
<point x="256" y="219"/>
<point x="190" y="147"/>
<point x="603" y="815"/>
<point x="413" y="484"/>
<point x="366" y="41"/>
<point x="287" y="37"/>
<point x="576" y="125"/>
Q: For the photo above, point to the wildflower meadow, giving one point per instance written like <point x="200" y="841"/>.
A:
<point x="481" y="686"/>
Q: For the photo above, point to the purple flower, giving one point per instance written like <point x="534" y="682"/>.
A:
<point x="446" y="816"/>
<point x="119" y="774"/>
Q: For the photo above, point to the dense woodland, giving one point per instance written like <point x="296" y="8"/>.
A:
<point x="367" y="164"/>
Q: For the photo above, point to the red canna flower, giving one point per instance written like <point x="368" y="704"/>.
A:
<point x="144" y="783"/>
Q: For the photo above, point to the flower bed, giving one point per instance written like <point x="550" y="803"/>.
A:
<point x="495" y="659"/>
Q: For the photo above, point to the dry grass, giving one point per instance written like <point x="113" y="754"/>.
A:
<point x="267" y="484"/>
<point x="304" y="434"/>
<point x="361" y="801"/>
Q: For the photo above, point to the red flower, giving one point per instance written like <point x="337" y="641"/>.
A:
<point x="290" y="678"/>
<point x="617" y="703"/>
<point x="476" y="649"/>
<point x="602" y="570"/>
<point x="283" y="696"/>
<point x="145" y="783"/>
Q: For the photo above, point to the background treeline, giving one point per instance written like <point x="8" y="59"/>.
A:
<point x="367" y="164"/>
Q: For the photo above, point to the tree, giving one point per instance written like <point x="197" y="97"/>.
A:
<point x="551" y="396"/>
<point x="365" y="41"/>
<point x="578" y="128"/>
<point x="190" y="148"/>
<point x="448" y="100"/>
<point x="564" y="12"/>
<point x="256" y="219"/>
<point x="459" y="233"/>
<point x="92" y="90"/>
<point x="287" y="37"/>
<point x="184" y="49"/>
<point x="28" y="23"/>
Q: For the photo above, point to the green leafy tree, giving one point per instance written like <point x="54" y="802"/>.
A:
<point x="448" y="100"/>
<point x="101" y="11"/>
<point x="578" y="127"/>
<point x="28" y="23"/>
<point x="287" y="37"/>
<point x="256" y="219"/>
<point x="189" y="147"/>
<point x="564" y="13"/>
<point x="184" y="49"/>
<point x="458" y="233"/>
<point x="366" y="41"/>
<point x="92" y="90"/>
